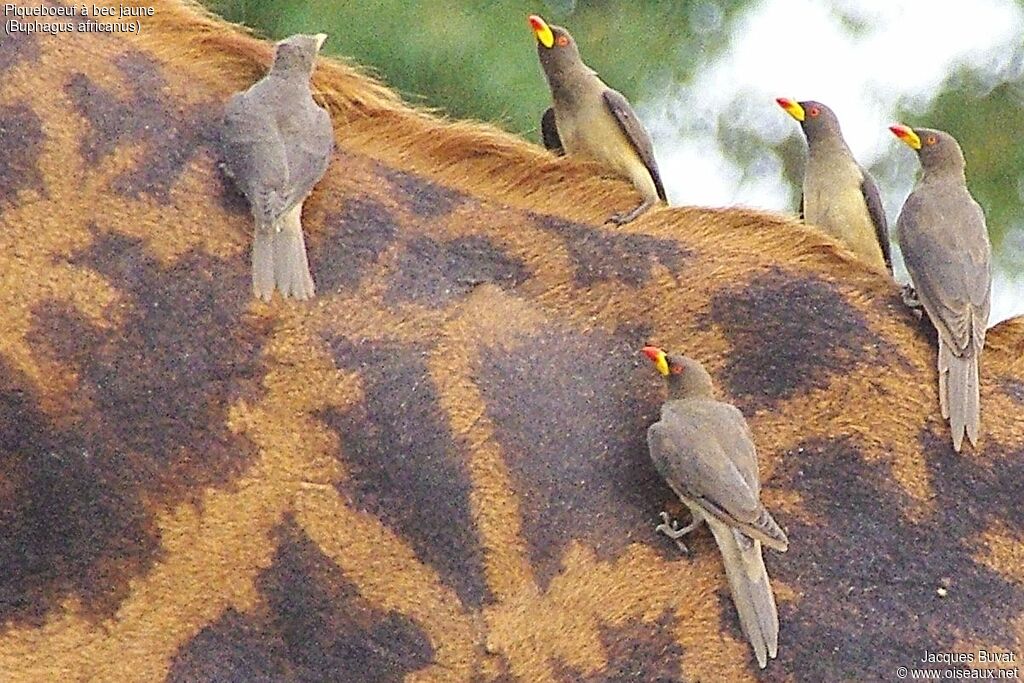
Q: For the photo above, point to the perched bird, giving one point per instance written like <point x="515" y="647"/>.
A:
<point x="277" y="143"/>
<point x="592" y="120"/>
<point x="942" y="233"/>
<point x="838" y="195"/>
<point x="705" y="451"/>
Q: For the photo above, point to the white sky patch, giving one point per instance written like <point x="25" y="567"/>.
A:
<point x="800" y="49"/>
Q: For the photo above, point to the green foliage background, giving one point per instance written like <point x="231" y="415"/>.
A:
<point x="478" y="60"/>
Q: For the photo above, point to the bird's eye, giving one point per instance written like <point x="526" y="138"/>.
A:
<point x="562" y="41"/>
<point x="932" y="140"/>
<point x="676" y="369"/>
<point x="813" y="111"/>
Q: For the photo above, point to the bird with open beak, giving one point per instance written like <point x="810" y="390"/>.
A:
<point x="944" y="240"/>
<point x="839" y="196"/>
<point x="277" y="142"/>
<point x="590" y="119"/>
<point x="705" y="451"/>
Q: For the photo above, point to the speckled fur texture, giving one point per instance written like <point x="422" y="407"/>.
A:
<point x="437" y="470"/>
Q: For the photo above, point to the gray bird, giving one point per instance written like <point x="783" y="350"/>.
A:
<point x="590" y="119"/>
<point x="705" y="451"/>
<point x="839" y="196"/>
<point x="944" y="240"/>
<point x="277" y="142"/>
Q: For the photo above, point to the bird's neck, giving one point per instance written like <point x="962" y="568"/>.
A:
<point x="679" y="389"/>
<point x="944" y="174"/>
<point x="572" y="85"/>
<point x="827" y="147"/>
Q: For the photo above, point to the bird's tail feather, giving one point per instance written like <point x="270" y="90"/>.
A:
<point x="751" y="591"/>
<point x="263" y="263"/>
<point x="963" y="401"/>
<point x="291" y="266"/>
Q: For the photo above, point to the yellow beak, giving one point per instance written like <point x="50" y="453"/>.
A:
<point x="657" y="357"/>
<point x="907" y="135"/>
<point x="541" y="30"/>
<point x="792" y="108"/>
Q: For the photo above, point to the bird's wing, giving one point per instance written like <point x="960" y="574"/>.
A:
<point x="945" y="246"/>
<point x="801" y="206"/>
<point x="309" y="141"/>
<point x="876" y="211"/>
<point x="254" y="155"/>
<point x="622" y="111"/>
<point x="549" y="132"/>
<point x="689" y="450"/>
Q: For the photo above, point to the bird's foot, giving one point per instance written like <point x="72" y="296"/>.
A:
<point x="670" y="528"/>
<point x="624" y="217"/>
<point x="909" y="296"/>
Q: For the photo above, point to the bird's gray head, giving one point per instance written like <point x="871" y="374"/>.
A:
<point x="817" y="120"/>
<point x="685" y="376"/>
<point x="297" y="53"/>
<point x="557" y="50"/>
<point x="938" y="151"/>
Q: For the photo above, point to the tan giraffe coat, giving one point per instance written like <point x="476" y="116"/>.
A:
<point x="437" y="469"/>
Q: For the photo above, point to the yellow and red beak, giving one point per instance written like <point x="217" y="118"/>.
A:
<point x="907" y="135"/>
<point x="541" y="30"/>
<point x="657" y="357"/>
<point x="792" y="108"/>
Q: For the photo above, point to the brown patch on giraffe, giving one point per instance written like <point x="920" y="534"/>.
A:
<point x="403" y="463"/>
<point x="639" y="650"/>
<point x="433" y="273"/>
<point x="149" y="428"/>
<point x="71" y="521"/>
<point x="424" y="198"/>
<point x="790" y="334"/>
<point x="16" y="48"/>
<point x="571" y="412"/>
<point x="21" y="143"/>
<point x="149" y="116"/>
<point x="869" y="579"/>
<point x="236" y="647"/>
<point x="1014" y="388"/>
<point x="602" y="255"/>
<point x="351" y="242"/>
<point x="331" y="632"/>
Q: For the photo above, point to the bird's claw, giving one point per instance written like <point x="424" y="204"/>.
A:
<point x="911" y="301"/>
<point x="670" y="528"/>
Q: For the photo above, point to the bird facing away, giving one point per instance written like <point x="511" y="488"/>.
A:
<point x="839" y="196"/>
<point x="277" y="142"/>
<point x="942" y="233"/>
<point x="589" y="119"/>
<point x="705" y="451"/>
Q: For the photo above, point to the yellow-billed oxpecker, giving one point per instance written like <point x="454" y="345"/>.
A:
<point x="839" y="196"/>
<point x="705" y="451"/>
<point x="590" y="119"/>
<point x="277" y="142"/>
<point x="942" y="234"/>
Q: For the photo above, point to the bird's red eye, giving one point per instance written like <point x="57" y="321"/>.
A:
<point x="562" y="41"/>
<point x="676" y="369"/>
<point x="932" y="140"/>
<point x="813" y="111"/>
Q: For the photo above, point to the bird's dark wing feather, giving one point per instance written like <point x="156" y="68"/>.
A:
<point x="707" y="456"/>
<point x="254" y="156"/>
<point x="620" y="108"/>
<point x="946" y="250"/>
<point x="549" y="132"/>
<point x="309" y="145"/>
<point x="801" y="209"/>
<point x="876" y="211"/>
